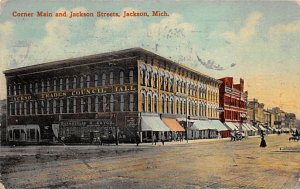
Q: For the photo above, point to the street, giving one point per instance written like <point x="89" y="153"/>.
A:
<point x="217" y="163"/>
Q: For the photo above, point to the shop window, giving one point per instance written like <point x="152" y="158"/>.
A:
<point x="89" y="104"/>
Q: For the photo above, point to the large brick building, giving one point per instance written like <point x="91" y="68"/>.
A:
<point x="115" y="94"/>
<point x="233" y="100"/>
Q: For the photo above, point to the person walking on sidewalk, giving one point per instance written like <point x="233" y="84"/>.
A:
<point x="154" y="139"/>
<point x="137" y="139"/>
<point x="163" y="139"/>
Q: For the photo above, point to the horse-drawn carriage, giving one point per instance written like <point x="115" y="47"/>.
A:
<point x="237" y="135"/>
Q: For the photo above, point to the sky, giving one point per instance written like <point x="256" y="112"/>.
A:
<point x="258" y="41"/>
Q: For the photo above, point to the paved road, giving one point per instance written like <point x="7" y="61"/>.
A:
<point x="209" y="164"/>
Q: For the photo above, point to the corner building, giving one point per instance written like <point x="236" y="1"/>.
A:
<point x="112" y="94"/>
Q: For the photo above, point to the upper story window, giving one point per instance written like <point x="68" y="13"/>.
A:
<point x="112" y="103"/>
<point x="131" y="104"/>
<point x="143" y="103"/>
<point x="149" y="103"/>
<point x="74" y="82"/>
<point x="81" y="81"/>
<point x="111" y="78"/>
<point x="131" y="76"/>
<point x="122" y="103"/>
<point x="155" y="103"/>
<point x="96" y="80"/>
<point x="103" y="79"/>
<point x="54" y="85"/>
<point x="36" y="87"/>
<point x="60" y="84"/>
<point x="67" y="83"/>
<point x="121" y="77"/>
<point x="88" y="80"/>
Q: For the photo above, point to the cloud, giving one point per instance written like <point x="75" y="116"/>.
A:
<point x="2" y="5"/>
<point x="6" y="30"/>
<point x="284" y="29"/>
<point x="247" y="32"/>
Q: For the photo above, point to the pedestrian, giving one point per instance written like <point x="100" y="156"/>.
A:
<point x="296" y="133"/>
<point x="163" y="139"/>
<point x="154" y="139"/>
<point x="263" y="142"/>
<point x="137" y="139"/>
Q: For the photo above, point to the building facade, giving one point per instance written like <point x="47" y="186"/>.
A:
<point x="233" y="100"/>
<point x="116" y="95"/>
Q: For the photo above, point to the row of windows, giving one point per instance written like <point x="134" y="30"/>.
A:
<point x="232" y="115"/>
<point x="234" y="102"/>
<point x="168" y="84"/>
<point x="59" y="84"/>
<point x="150" y="104"/>
<point x="104" y="103"/>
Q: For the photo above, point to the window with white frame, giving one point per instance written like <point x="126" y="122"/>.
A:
<point x="111" y="78"/>
<point x="104" y="103"/>
<point x="131" y="76"/>
<point x="131" y="104"/>
<point x="122" y="103"/>
<point x="96" y="80"/>
<point x="103" y="79"/>
<point x="149" y="103"/>
<point x="112" y="103"/>
<point x="121" y="77"/>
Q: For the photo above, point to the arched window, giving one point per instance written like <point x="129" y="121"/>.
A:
<point x="143" y="102"/>
<point x="103" y="79"/>
<point x="177" y="106"/>
<point x="155" y="103"/>
<point x="168" y="106"/>
<point x="88" y="80"/>
<point x="74" y="82"/>
<point x="155" y="81"/>
<point x="121" y="77"/>
<point x="162" y="83"/>
<point x="122" y="103"/>
<point x="111" y="78"/>
<point x="172" y="106"/>
<point x="96" y="80"/>
<point x="112" y="103"/>
<point x="131" y="76"/>
<point x="149" y="79"/>
<point x="104" y="105"/>
<point x="131" y="102"/>
<point x="163" y="104"/>
<point x="149" y="103"/>
<point x="81" y="81"/>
